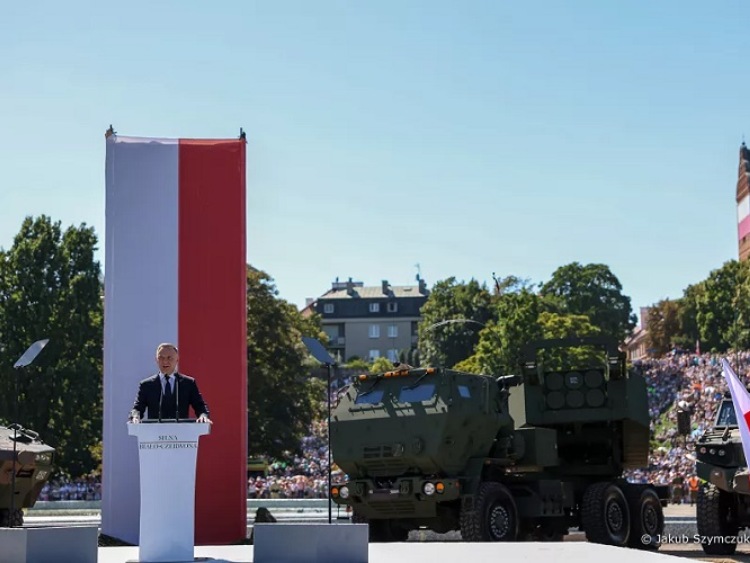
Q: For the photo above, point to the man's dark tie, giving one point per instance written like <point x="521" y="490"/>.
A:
<point x="167" y="390"/>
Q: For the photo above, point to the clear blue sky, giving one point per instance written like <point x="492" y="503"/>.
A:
<point x="468" y="137"/>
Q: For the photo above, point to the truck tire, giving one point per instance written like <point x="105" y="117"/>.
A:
<point x="716" y="517"/>
<point x="646" y="517"/>
<point x="494" y="516"/>
<point x="605" y="515"/>
<point x="16" y="521"/>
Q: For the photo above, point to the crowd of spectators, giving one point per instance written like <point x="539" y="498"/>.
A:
<point x="689" y="382"/>
<point x="680" y="381"/>
<point x="299" y="476"/>
<point x="82" y="488"/>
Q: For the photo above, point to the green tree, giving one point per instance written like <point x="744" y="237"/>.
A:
<point x="500" y="347"/>
<point x="687" y="316"/>
<point x="556" y="326"/>
<point x="50" y="287"/>
<point x="445" y="343"/>
<point x="592" y="290"/>
<point x="282" y="397"/>
<point x="738" y="333"/>
<point x="663" y="326"/>
<point x="716" y="314"/>
<point x="381" y="365"/>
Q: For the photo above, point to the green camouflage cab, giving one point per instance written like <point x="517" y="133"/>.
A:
<point x="523" y="456"/>
<point x="33" y="469"/>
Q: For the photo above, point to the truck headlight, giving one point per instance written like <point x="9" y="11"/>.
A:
<point x="428" y="489"/>
<point x="722" y="452"/>
<point x="344" y="492"/>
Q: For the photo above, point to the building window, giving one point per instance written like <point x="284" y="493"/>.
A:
<point x="374" y="331"/>
<point x="392" y="307"/>
<point x="374" y="355"/>
<point x="328" y="308"/>
<point x="374" y="307"/>
<point x="392" y="331"/>
<point x="393" y="354"/>
<point x="333" y="332"/>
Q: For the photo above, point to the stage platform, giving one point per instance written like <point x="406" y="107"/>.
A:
<point x="528" y="552"/>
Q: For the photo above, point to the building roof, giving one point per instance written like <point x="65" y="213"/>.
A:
<point x="375" y="292"/>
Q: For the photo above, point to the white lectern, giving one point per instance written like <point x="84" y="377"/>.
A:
<point x="168" y="453"/>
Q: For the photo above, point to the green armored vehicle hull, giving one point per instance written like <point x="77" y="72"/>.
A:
<point x="33" y="468"/>
<point x="526" y="456"/>
<point x="723" y="504"/>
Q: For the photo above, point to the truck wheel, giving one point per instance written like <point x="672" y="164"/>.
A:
<point x="16" y="521"/>
<point x="646" y="517"/>
<point x="716" y="517"/>
<point x="605" y="515"/>
<point x="494" y="516"/>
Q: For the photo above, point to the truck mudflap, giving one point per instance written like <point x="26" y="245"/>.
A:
<point x="722" y="477"/>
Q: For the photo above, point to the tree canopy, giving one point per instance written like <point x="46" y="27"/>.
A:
<point x="445" y="343"/>
<point x="594" y="291"/>
<point x="50" y="287"/>
<point x="282" y="398"/>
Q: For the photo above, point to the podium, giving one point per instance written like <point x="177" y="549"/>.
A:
<point x="168" y="455"/>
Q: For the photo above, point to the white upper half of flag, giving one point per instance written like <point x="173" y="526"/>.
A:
<point x="743" y="208"/>
<point x="741" y="400"/>
<point x="143" y="140"/>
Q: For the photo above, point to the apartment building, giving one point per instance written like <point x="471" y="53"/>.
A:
<point x="370" y="322"/>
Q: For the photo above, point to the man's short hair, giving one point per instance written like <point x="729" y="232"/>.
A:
<point x="166" y="345"/>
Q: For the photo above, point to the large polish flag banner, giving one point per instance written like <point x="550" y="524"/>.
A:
<point x="741" y="401"/>
<point x="175" y="271"/>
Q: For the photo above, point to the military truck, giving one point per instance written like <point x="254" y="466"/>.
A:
<point x="723" y="504"/>
<point x="526" y="456"/>
<point x="33" y="469"/>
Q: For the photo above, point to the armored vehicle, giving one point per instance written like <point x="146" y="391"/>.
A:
<point x="33" y="469"/>
<point x="723" y="504"/>
<point x="515" y="457"/>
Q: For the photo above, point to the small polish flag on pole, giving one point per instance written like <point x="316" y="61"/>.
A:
<point x="741" y="400"/>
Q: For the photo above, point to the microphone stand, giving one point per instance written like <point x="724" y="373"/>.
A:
<point x="177" y="397"/>
<point x="329" y="445"/>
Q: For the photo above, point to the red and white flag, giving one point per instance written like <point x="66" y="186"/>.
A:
<point x="175" y="271"/>
<point x="741" y="401"/>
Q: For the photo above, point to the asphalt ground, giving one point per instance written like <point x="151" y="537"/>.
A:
<point x="680" y="530"/>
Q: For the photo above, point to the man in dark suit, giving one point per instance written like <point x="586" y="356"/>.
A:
<point x="163" y="393"/>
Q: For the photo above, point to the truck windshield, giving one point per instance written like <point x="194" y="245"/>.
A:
<point x="405" y="394"/>
<point x="416" y="394"/>
<point x="371" y="397"/>
<point x="726" y="416"/>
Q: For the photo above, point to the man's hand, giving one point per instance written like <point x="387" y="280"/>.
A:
<point x="204" y="418"/>
<point x="134" y="418"/>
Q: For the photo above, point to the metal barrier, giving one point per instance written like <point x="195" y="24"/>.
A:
<point x="252" y="504"/>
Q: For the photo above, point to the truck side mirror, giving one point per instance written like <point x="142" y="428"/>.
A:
<point x="683" y="423"/>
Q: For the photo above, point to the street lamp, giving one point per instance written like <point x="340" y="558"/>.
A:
<point x="321" y="354"/>
<point x="449" y="321"/>
<point x="25" y="360"/>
